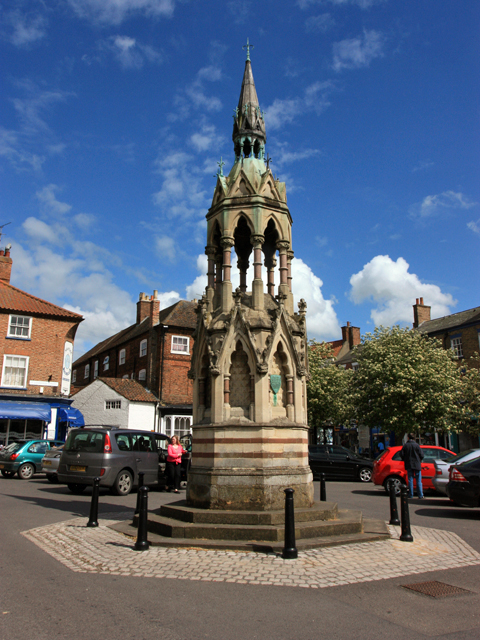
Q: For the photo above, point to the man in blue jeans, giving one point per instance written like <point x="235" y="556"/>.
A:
<point x="412" y="456"/>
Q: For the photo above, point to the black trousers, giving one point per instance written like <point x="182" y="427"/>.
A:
<point x="174" y="474"/>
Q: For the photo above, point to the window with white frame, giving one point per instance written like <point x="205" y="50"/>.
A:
<point x="121" y="356"/>
<point x="113" y="404"/>
<point x="143" y="348"/>
<point x="178" y="425"/>
<point x="14" y="372"/>
<point x="19" y="327"/>
<point x="355" y="366"/>
<point x="142" y="374"/>
<point x="106" y="362"/>
<point x="95" y="369"/>
<point x="87" y="371"/>
<point x="180" y="344"/>
<point x="456" y="345"/>
<point x="74" y="375"/>
<point x="125" y="377"/>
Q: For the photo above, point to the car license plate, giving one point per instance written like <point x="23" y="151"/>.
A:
<point x="78" y="468"/>
<point x="46" y="463"/>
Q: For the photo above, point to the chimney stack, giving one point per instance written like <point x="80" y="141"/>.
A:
<point x="5" y="265"/>
<point x="148" y="307"/>
<point x="421" y="313"/>
<point x="351" y="335"/>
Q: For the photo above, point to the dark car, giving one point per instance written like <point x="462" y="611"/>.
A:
<point x="338" y="463"/>
<point x="464" y="484"/>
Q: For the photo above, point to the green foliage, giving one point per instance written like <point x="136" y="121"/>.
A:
<point x="329" y="400"/>
<point x="407" y="381"/>
<point x="471" y="394"/>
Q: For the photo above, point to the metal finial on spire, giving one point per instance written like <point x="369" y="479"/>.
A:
<point x="248" y="46"/>
<point x="221" y="164"/>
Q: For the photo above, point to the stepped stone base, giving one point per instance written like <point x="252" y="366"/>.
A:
<point x="179" y="525"/>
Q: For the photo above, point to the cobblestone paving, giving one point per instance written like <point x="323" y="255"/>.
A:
<point x="102" y="550"/>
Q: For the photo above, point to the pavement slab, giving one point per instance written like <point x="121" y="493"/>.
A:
<point x="103" y="550"/>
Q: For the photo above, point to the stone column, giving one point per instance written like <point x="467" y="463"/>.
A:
<point x="257" y="241"/>
<point x="290" y="396"/>
<point x="227" y="243"/>
<point x="270" y="265"/>
<point x="226" y="395"/>
<point x="283" y="246"/>
<point x="210" y="251"/>
<point x="252" y="397"/>
<point x="290" y="305"/>
<point x="218" y="279"/>
<point x="243" y="265"/>
<point x="201" y="398"/>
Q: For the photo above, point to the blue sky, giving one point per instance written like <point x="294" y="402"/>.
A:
<point x="114" y="114"/>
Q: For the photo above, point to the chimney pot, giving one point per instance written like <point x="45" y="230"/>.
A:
<point x="417" y="301"/>
<point x="421" y="300"/>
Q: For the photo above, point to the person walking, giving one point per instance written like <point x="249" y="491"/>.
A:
<point x="412" y="456"/>
<point x="174" y="464"/>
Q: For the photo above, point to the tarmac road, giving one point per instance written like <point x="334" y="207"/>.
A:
<point x="43" y="599"/>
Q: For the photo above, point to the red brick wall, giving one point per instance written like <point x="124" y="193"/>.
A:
<point x="177" y="387"/>
<point x="45" y="350"/>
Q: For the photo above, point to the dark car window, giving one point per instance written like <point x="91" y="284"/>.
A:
<point x="142" y="442"/>
<point x="162" y="443"/>
<point x="397" y="456"/>
<point x="430" y="454"/>
<point x="38" y="447"/>
<point x="14" y="446"/>
<point x="458" y="458"/>
<point x="445" y="455"/>
<point x="91" y="441"/>
<point x="123" y="441"/>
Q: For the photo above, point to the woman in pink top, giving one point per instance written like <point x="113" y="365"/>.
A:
<point x="174" y="464"/>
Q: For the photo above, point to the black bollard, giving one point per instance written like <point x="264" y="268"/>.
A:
<point x="406" y="535"/>
<point x="289" y="550"/>
<point x="142" y="543"/>
<point x="393" y="504"/>
<point x="140" y="485"/>
<point x="323" y="488"/>
<point x="93" y="520"/>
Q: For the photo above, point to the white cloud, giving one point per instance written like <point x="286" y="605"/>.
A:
<point x="84" y="220"/>
<point x="130" y="53"/>
<point x="23" y="29"/>
<point x="115" y="11"/>
<point x="322" y="322"/>
<point x="39" y="231"/>
<point x="13" y="149"/>
<point x="474" y="226"/>
<point x="181" y="194"/>
<point x="49" y="203"/>
<point x="437" y="204"/>
<point x="363" y="4"/>
<point x="194" y="95"/>
<point x="207" y="138"/>
<point x="321" y="23"/>
<point x="358" y="52"/>
<point x="166" y="247"/>
<point x="390" y="284"/>
<point x="315" y="99"/>
<point x="30" y="109"/>
<point x="284" y="156"/>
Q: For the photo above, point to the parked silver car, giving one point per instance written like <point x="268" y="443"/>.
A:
<point x="50" y="462"/>
<point x="442" y="468"/>
<point x="114" y="455"/>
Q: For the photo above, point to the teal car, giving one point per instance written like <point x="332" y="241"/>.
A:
<point x="24" y="457"/>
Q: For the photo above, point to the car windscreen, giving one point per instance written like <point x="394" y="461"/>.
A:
<point x="90" y="441"/>
<point x="458" y="458"/>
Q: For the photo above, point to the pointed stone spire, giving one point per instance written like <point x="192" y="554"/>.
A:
<point x="249" y="134"/>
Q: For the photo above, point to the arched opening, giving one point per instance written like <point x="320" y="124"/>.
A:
<point x="278" y="383"/>
<point x="243" y="249"/>
<point x="239" y="383"/>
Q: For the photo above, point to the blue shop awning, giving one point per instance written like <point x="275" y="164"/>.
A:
<point x="71" y="415"/>
<point x="25" y="410"/>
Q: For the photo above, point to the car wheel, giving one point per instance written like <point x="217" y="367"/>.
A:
<point x="365" y="474"/>
<point x="8" y="474"/>
<point x="398" y="482"/>
<point x="52" y="477"/>
<point x="77" y="489"/>
<point x="26" y="471"/>
<point x="123" y="484"/>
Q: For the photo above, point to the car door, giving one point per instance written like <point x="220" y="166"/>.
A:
<point x="145" y="456"/>
<point x="35" y="453"/>
<point x="162" y="448"/>
<point x="318" y="460"/>
<point x="341" y="465"/>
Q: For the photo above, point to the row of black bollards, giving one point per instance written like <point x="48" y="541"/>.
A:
<point x="406" y="534"/>
<point x="142" y="543"/>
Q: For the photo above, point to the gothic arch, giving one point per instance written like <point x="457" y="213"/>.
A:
<point x="240" y="380"/>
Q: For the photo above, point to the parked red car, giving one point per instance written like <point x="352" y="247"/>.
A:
<point x="389" y="467"/>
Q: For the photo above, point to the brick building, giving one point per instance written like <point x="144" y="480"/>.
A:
<point x="155" y="352"/>
<point x="36" y="354"/>
<point x="459" y="331"/>
<point x="343" y="349"/>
